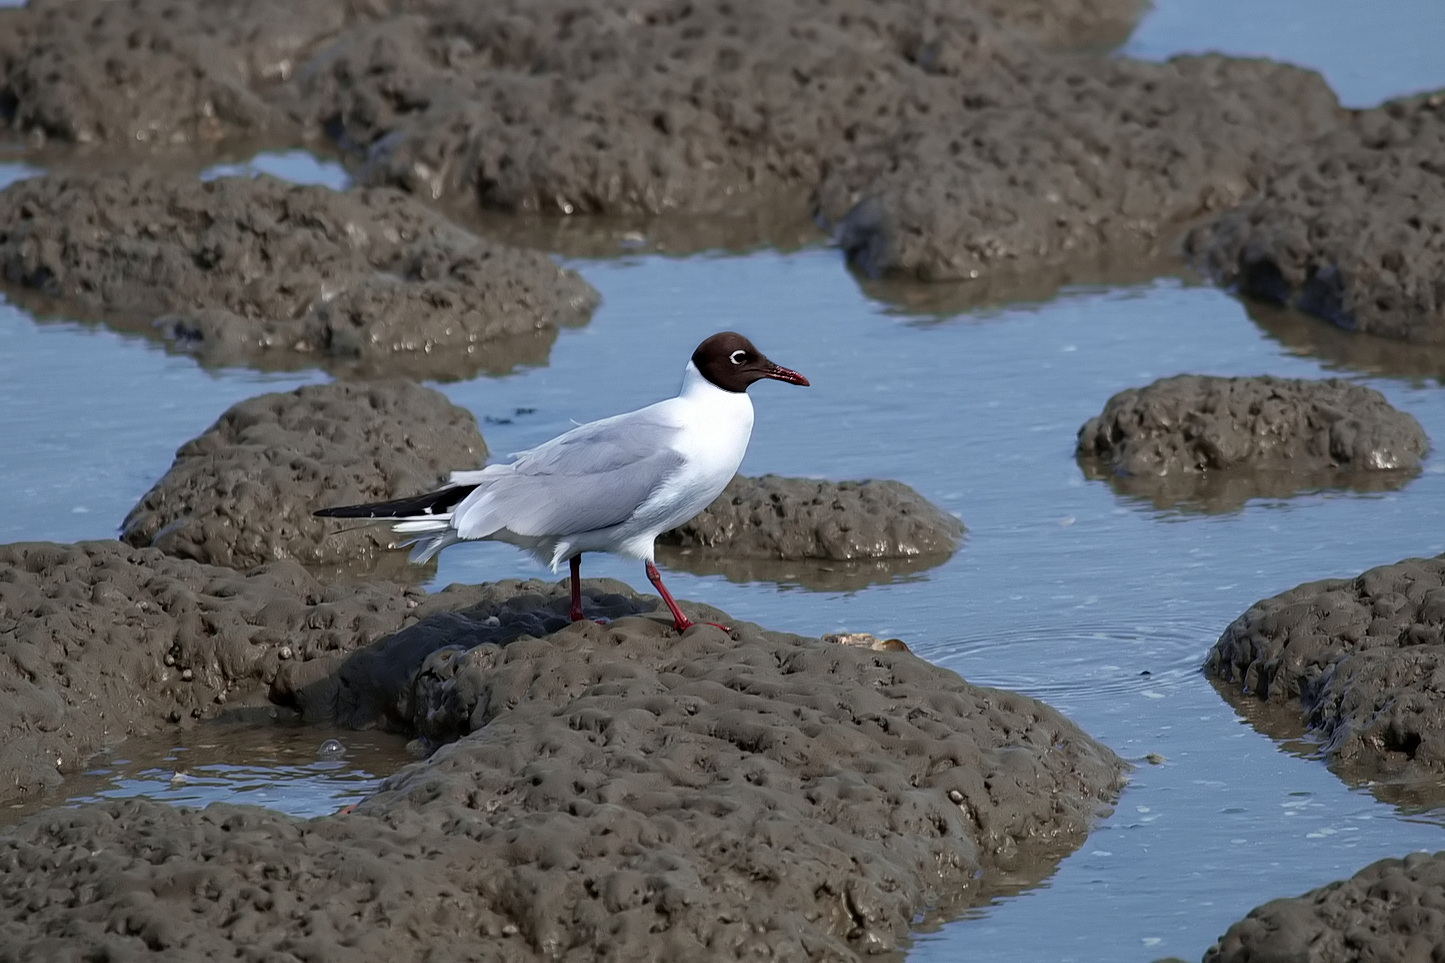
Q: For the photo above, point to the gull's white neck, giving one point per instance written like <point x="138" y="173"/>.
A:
<point x="702" y="395"/>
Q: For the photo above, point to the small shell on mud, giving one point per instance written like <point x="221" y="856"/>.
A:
<point x="866" y="641"/>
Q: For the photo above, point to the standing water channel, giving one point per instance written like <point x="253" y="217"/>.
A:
<point x="1097" y="603"/>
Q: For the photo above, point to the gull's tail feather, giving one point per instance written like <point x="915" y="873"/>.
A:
<point x="427" y="517"/>
<point x="425" y="547"/>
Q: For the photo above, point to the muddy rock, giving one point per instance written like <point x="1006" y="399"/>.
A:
<point x="147" y="74"/>
<point x="243" y="492"/>
<point x="1360" y="659"/>
<point x="258" y="271"/>
<point x="1065" y="161"/>
<point x="108" y="641"/>
<point x="1349" y="227"/>
<point x="1222" y="440"/>
<point x="621" y="792"/>
<point x="791" y="518"/>
<point x="1390" y="910"/>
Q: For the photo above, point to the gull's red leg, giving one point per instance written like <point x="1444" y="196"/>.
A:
<point x="576" y="612"/>
<point x="680" y="621"/>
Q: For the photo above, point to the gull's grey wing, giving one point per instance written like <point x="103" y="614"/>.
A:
<point x="594" y="476"/>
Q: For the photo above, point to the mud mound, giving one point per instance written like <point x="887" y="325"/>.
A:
<point x="258" y="271"/>
<point x="1390" y="910"/>
<point x="1350" y="227"/>
<point x="624" y="793"/>
<point x="108" y="641"/>
<point x="1064" y="161"/>
<point x="1204" y="438"/>
<point x="1360" y="658"/>
<point x="570" y="106"/>
<point x="141" y="75"/>
<point x="793" y="518"/>
<point x="243" y="492"/>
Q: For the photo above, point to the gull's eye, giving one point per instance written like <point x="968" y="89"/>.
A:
<point x="738" y="356"/>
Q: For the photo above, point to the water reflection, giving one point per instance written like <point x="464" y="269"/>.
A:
<point x="1224" y="492"/>
<point x="1339" y="349"/>
<point x="811" y="574"/>
<point x="303" y="771"/>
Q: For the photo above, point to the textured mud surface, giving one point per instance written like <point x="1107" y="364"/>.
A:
<point x="1390" y="910"/>
<point x="1350" y="227"/>
<point x="628" y="792"/>
<point x="99" y="641"/>
<point x="791" y="518"/>
<point x="1218" y="441"/>
<point x="243" y="492"/>
<point x="1361" y="659"/>
<point x="258" y="271"/>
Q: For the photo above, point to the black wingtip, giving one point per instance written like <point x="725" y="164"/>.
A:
<point x="432" y="503"/>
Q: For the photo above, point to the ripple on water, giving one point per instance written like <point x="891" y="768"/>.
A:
<point x="1090" y="664"/>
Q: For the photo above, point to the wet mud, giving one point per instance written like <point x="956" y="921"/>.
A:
<point x="1390" y="910"/>
<point x="243" y="492"/>
<point x="1212" y="443"/>
<point x="1359" y="660"/>
<point x="635" y="794"/>
<point x="1349" y="227"/>
<point x="239" y="270"/>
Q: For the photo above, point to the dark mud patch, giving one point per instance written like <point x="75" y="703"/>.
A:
<point x="1390" y="910"/>
<point x="101" y="641"/>
<point x="621" y="791"/>
<point x="243" y="492"/>
<point x="1360" y="660"/>
<point x="247" y="270"/>
<point x="1349" y="227"/>
<point x="1213" y="443"/>
<point x="794" y="518"/>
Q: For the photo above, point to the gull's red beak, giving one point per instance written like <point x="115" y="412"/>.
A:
<point x="779" y="373"/>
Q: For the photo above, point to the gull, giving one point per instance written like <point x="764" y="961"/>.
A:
<point x="611" y="485"/>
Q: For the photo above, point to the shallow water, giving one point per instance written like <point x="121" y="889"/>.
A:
<point x="1098" y="603"/>
<point x="302" y="770"/>
<point x="1368" y="52"/>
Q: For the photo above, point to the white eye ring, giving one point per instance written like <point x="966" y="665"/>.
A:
<point x="737" y="356"/>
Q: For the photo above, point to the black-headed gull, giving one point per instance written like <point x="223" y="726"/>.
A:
<point x="612" y="485"/>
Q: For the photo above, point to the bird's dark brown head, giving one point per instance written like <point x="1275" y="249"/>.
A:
<point x="730" y="361"/>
